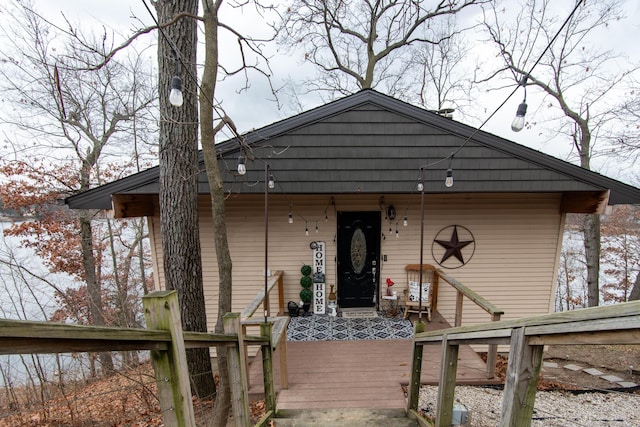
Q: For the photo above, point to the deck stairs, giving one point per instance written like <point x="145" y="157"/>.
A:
<point x="343" y="418"/>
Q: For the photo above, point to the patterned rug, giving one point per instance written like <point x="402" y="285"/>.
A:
<point x="322" y="327"/>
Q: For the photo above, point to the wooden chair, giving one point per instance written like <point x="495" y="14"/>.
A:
<point x="411" y="293"/>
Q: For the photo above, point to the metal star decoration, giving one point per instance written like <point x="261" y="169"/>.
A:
<point x="453" y="247"/>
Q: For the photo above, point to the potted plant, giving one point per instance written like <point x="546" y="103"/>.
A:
<point x="306" y="294"/>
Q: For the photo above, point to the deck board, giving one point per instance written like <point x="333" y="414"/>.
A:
<point x="358" y="374"/>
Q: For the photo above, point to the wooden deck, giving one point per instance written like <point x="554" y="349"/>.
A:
<point x="359" y="374"/>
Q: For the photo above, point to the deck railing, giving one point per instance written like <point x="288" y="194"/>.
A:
<point x="167" y="341"/>
<point x="616" y="324"/>
<point x="463" y="291"/>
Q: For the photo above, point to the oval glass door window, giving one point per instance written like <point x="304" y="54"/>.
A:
<point x="358" y="251"/>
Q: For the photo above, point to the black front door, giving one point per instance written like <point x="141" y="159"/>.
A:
<point x="358" y="258"/>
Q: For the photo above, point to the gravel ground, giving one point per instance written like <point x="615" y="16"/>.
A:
<point x="551" y="408"/>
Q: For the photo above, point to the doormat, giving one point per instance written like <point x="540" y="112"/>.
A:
<point x="322" y="327"/>
<point x="359" y="313"/>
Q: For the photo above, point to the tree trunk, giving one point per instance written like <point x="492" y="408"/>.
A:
<point x="93" y="286"/>
<point x="591" y="233"/>
<point x="635" y="291"/>
<point x="179" y="182"/>
<point x="207" y="135"/>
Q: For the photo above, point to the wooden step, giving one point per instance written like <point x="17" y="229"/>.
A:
<point x="343" y="418"/>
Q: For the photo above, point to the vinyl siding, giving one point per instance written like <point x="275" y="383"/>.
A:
<point x="514" y="264"/>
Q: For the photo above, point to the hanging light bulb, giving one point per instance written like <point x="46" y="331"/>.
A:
<point x="290" y="218"/>
<point x="306" y="229"/>
<point x="448" y="182"/>
<point x="406" y="221"/>
<point x="518" y="121"/>
<point x="175" y="95"/>
<point x="272" y="182"/>
<point x="316" y="226"/>
<point x="242" y="168"/>
<point x="397" y="233"/>
<point x="420" y="185"/>
<point x="326" y="217"/>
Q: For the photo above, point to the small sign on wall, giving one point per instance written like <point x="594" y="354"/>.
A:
<point x="319" y="291"/>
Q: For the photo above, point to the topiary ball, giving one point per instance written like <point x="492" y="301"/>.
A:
<point x="306" y="295"/>
<point x="305" y="270"/>
<point x="306" y="282"/>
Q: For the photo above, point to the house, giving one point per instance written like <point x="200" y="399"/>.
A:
<point x="347" y="174"/>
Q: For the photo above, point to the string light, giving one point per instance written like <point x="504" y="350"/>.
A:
<point x="316" y="226"/>
<point x="420" y="185"/>
<point x="242" y="168"/>
<point x="406" y="221"/>
<point x="175" y="94"/>
<point x="272" y="182"/>
<point x="448" y="182"/>
<point x="306" y="229"/>
<point x="397" y="233"/>
<point x="518" y="121"/>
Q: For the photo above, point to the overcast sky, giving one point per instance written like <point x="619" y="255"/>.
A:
<point x="254" y="109"/>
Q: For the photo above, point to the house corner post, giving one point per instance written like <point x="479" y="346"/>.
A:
<point x="161" y="312"/>
<point x="416" y="370"/>
<point x="521" y="382"/>
<point x="237" y="372"/>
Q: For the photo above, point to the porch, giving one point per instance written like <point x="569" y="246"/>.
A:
<point x="359" y="373"/>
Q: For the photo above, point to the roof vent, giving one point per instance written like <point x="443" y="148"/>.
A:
<point x="446" y="112"/>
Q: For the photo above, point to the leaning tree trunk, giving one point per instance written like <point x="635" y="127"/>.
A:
<point x="179" y="182"/>
<point x="207" y="134"/>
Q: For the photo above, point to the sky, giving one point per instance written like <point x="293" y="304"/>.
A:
<point x="126" y="15"/>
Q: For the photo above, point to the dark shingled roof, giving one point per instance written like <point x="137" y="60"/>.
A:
<point x="371" y="143"/>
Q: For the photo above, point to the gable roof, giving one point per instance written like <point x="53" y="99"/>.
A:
<point x="371" y="143"/>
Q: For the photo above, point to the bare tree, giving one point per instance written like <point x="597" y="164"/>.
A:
<point x="443" y="81"/>
<point x="74" y="120"/>
<point x="362" y="44"/>
<point x="576" y="78"/>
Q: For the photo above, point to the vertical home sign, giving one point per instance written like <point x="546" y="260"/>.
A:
<point x="318" y="278"/>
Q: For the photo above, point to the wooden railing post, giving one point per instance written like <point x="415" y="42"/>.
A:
<point x="446" y="390"/>
<point x="416" y="370"/>
<point x="459" y="301"/>
<point x="521" y="382"/>
<point x="161" y="312"/>
<point x="492" y="352"/>
<point x="280" y="294"/>
<point x="267" y="368"/>
<point x="237" y="372"/>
